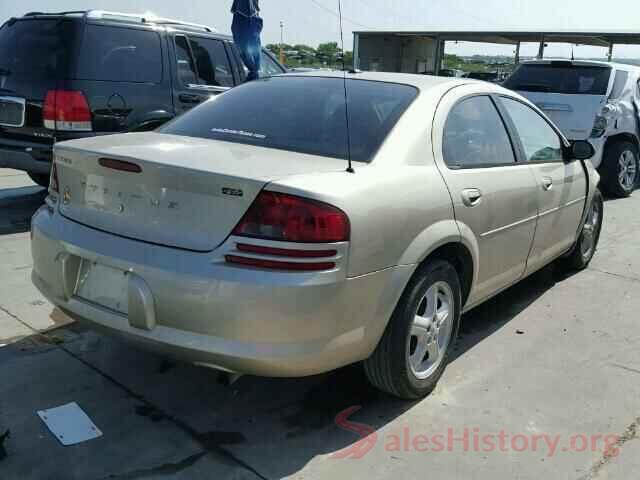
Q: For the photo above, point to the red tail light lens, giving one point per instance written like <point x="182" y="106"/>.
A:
<point x="288" y="218"/>
<point x="54" y="185"/>
<point x="67" y="111"/>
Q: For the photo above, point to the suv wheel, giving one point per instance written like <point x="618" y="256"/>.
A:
<point x="414" y="350"/>
<point x="620" y="169"/>
<point x="41" y="179"/>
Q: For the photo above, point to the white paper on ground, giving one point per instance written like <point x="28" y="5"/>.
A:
<point x="69" y="424"/>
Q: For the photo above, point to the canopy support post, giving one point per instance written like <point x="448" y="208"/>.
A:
<point x="541" y="48"/>
<point x="439" y="56"/>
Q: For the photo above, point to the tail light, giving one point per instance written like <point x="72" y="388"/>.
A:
<point x="600" y="126"/>
<point x="67" y="110"/>
<point x="288" y="218"/>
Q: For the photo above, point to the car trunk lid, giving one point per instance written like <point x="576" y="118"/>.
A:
<point x="188" y="193"/>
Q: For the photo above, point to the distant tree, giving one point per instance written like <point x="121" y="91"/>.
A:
<point x="327" y="52"/>
<point x="452" y="61"/>
<point x="301" y="55"/>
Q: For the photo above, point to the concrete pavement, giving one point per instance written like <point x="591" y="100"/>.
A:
<point x="553" y="361"/>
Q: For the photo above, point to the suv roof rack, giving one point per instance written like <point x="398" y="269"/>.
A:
<point x="143" y="18"/>
<point x="124" y="17"/>
<point x="55" y="14"/>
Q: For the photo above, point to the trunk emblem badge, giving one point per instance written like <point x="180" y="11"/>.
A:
<point x="232" y="192"/>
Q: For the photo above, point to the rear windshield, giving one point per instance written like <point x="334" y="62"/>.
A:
<point x="560" y="78"/>
<point x="37" y="46"/>
<point x="301" y="114"/>
<point x="120" y="55"/>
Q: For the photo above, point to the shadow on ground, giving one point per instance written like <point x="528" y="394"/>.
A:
<point x="271" y="428"/>
<point x="17" y="206"/>
<point x="495" y="314"/>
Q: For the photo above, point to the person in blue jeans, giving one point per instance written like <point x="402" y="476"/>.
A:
<point x="246" y="29"/>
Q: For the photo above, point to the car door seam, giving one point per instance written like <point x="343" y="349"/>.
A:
<point x="561" y="207"/>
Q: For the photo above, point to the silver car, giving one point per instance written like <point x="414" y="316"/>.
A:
<point x="594" y="101"/>
<point x="278" y="230"/>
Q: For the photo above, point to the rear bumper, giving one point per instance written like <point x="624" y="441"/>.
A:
<point x="210" y="313"/>
<point x="33" y="158"/>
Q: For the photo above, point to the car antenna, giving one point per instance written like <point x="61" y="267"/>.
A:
<point x="346" y="103"/>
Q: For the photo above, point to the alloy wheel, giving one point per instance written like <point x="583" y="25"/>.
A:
<point x="431" y="330"/>
<point x="627" y="170"/>
<point x="590" y="230"/>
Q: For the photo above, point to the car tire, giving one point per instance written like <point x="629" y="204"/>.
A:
<point x="587" y="244"/>
<point x="41" y="179"/>
<point x="408" y="362"/>
<point x="620" y="169"/>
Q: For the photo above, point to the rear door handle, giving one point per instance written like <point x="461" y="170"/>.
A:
<point x="547" y="183"/>
<point x="190" y="98"/>
<point x="471" y="197"/>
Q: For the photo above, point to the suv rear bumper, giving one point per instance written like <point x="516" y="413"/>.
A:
<point x="29" y="157"/>
<point x="34" y="157"/>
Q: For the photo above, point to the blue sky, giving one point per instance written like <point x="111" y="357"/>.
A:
<point x="314" y="21"/>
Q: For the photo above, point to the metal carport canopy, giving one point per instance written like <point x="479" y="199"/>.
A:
<point x="602" y="38"/>
<point x="513" y="37"/>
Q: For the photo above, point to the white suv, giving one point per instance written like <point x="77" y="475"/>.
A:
<point x="595" y="101"/>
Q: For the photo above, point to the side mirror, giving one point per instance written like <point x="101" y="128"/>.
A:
<point x="582" y="150"/>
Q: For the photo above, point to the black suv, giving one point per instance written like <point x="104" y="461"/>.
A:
<point x="79" y="74"/>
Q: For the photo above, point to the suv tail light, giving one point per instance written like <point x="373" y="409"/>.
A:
<point x="287" y="218"/>
<point x="600" y="126"/>
<point x="66" y="110"/>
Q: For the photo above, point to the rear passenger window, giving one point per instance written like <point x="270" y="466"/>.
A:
<point x="618" y="84"/>
<point x="187" y="73"/>
<point x="212" y="63"/>
<point x="475" y="136"/>
<point x="541" y="142"/>
<point x="120" y="55"/>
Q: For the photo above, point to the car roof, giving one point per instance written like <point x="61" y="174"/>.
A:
<point x="595" y="63"/>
